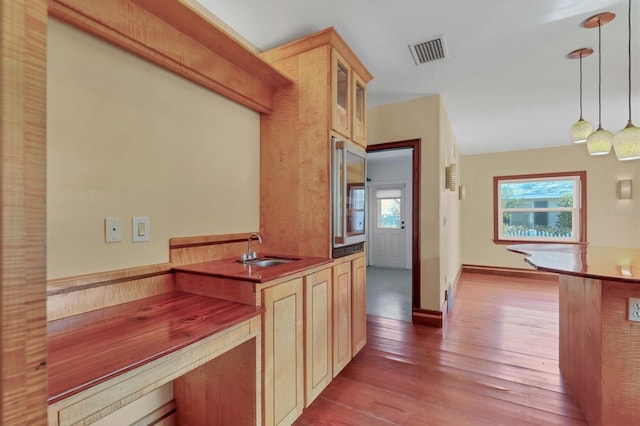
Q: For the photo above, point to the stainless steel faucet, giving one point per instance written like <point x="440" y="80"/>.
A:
<point x="250" y="254"/>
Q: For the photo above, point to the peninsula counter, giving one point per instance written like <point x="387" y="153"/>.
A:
<point x="599" y="345"/>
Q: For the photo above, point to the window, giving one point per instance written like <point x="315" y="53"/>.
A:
<point x="548" y="207"/>
<point x="389" y="203"/>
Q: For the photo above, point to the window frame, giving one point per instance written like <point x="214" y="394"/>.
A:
<point x="581" y="215"/>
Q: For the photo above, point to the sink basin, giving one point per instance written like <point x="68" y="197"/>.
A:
<point x="268" y="262"/>
<point x="264" y="263"/>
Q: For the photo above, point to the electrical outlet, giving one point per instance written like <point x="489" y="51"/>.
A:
<point x="634" y="309"/>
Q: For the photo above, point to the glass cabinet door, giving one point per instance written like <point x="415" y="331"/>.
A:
<point x="355" y="194"/>
<point x="341" y="94"/>
<point x="359" y="113"/>
<point x="348" y="192"/>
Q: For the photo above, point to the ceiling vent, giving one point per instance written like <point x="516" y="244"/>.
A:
<point x="429" y="50"/>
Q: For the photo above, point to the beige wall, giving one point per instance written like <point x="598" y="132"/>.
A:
<point x="126" y="138"/>
<point x="426" y="118"/>
<point x="610" y="222"/>
<point x="450" y="207"/>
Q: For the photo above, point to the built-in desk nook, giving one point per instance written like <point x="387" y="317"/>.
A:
<point x="599" y="345"/>
<point x="204" y="339"/>
<point x="103" y="360"/>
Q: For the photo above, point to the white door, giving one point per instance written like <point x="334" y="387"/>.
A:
<point x="388" y="233"/>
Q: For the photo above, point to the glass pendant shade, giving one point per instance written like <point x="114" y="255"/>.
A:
<point x="599" y="142"/>
<point x="580" y="131"/>
<point x="626" y="143"/>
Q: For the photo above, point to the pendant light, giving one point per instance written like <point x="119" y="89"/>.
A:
<point x="626" y="143"/>
<point x="581" y="129"/>
<point x="599" y="142"/>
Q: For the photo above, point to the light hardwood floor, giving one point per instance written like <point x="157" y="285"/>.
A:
<point x="494" y="363"/>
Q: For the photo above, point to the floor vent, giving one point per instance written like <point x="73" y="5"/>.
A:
<point x="429" y="50"/>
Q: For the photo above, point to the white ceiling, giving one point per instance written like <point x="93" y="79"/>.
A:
<point x="506" y="83"/>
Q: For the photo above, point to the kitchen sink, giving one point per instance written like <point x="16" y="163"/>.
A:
<point x="269" y="262"/>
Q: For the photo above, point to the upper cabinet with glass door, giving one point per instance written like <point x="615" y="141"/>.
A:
<point x="359" y="126"/>
<point x="340" y="95"/>
<point x="328" y="98"/>
<point x="348" y="100"/>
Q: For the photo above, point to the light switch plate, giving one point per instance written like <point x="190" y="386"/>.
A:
<point x="112" y="230"/>
<point x="140" y="229"/>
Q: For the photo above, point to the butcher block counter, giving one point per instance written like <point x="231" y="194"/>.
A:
<point x="102" y="360"/>
<point x="599" y="345"/>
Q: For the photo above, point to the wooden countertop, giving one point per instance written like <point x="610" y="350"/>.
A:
<point x="607" y="263"/>
<point x="230" y="268"/>
<point x="90" y="348"/>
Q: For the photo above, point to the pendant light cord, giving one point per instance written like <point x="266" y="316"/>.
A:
<point x="599" y="74"/>
<point x="581" y="86"/>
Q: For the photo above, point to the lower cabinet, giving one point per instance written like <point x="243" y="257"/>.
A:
<point x="341" y="316"/>
<point x="358" y="305"/>
<point x="317" y="335"/>
<point x="312" y="327"/>
<point x="283" y="342"/>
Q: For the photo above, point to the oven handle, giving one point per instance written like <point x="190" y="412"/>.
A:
<point x="339" y="191"/>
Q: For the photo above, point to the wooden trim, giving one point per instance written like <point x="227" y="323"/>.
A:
<point x="23" y="159"/>
<point x="321" y="38"/>
<point x="583" y="208"/>
<point x="180" y="38"/>
<point x="427" y="317"/>
<point x="83" y="282"/>
<point x="99" y="296"/>
<point x="510" y="272"/>
<point x="415" y="200"/>
<point x="206" y="240"/>
<point x="189" y="250"/>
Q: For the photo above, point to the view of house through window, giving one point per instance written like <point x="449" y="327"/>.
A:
<point x="540" y="208"/>
<point x="389" y="204"/>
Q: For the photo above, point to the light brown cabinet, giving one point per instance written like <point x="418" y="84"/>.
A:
<point x="295" y="140"/>
<point x="328" y="96"/>
<point x="283" y="342"/>
<point x="341" y="316"/>
<point x="358" y="305"/>
<point x="318" y="344"/>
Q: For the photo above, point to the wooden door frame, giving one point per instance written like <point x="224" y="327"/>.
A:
<point x="415" y="209"/>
